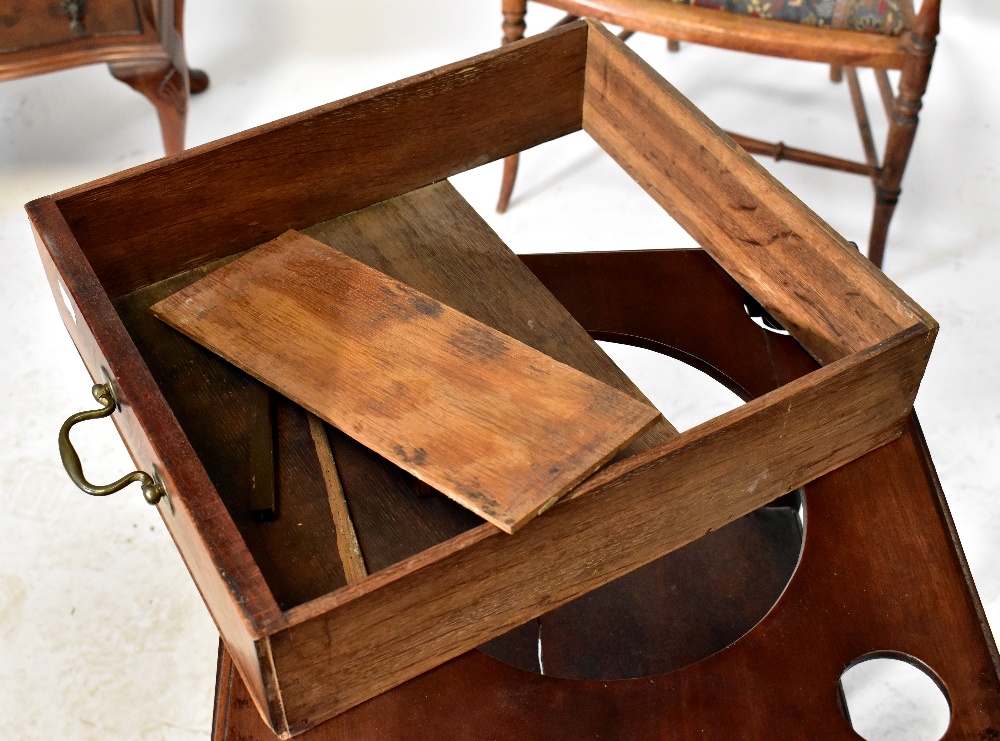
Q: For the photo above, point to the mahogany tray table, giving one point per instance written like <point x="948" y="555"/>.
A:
<point x="744" y="633"/>
<point x="309" y="643"/>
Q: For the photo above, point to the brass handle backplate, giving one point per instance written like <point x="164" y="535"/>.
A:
<point x="152" y="490"/>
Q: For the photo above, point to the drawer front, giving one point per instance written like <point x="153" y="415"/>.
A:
<point x="226" y="577"/>
<point x="30" y="24"/>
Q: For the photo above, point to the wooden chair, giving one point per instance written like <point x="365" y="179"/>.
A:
<point x="880" y="34"/>
<point x="141" y="42"/>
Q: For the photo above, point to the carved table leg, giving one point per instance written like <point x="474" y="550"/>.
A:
<point x="513" y="30"/>
<point x="166" y="87"/>
<point x="168" y="84"/>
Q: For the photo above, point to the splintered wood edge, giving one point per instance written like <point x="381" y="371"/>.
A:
<point x="347" y="539"/>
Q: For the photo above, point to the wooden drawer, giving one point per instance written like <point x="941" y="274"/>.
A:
<point x="30" y="24"/>
<point x="307" y="654"/>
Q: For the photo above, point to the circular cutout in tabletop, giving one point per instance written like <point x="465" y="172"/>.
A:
<point x="685" y="606"/>
<point x="892" y="696"/>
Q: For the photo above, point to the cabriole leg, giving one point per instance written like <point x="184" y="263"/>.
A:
<point x="166" y="87"/>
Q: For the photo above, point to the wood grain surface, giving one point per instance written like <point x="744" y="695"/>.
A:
<point x="464" y="264"/>
<point x="822" y="290"/>
<point x="329" y="161"/>
<point x="486" y="420"/>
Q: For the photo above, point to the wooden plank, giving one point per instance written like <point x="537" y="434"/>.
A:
<point x="364" y="639"/>
<point x="329" y="161"/>
<point x="490" y="422"/>
<point x="347" y="539"/>
<point x="465" y="265"/>
<point x="821" y="289"/>
<point x="682" y="22"/>
<point x="478" y="275"/>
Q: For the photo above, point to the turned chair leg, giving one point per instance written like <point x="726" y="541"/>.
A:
<point x="885" y="206"/>
<point x="513" y="30"/>
<point x="920" y="43"/>
<point x="507" y="183"/>
<point x="836" y="73"/>
<point x="166" y="87"/>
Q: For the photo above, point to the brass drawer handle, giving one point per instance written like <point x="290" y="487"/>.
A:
<point x="151" y="489"/>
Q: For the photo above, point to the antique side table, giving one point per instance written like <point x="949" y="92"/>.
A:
<point x="140" y="40"/>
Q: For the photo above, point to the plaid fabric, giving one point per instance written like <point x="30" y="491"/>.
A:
<point x="877" y="16"/>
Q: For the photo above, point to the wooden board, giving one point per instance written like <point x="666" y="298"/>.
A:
<point x="490" y="422"/>
<point x="466" y="265"/>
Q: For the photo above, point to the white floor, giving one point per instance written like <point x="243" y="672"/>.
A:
<point x="102" y="635"/>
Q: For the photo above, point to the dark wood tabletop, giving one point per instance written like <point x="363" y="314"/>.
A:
<point x="709" y="642"/>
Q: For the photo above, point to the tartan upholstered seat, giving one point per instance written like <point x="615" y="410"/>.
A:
<point x="878" y="16"/>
